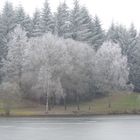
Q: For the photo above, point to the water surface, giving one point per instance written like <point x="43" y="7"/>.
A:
<point x="87" y="128"/>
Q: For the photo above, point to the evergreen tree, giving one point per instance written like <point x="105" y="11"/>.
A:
<point x="20" y="16"/>
<point x="111" y="34"/>
<point x="125" y="38"/>
<point x="86" y="22"/>
<point x="75" y="13"/>
<point x="132" y="39"/>
<point x="24" y="20"/>
<point x="62" y="27"/>
<point x="128" y="41"/>
<point x="28" y="25"/>
<point x="8" y="18"/>
<point x="7" y="24"/>
<point x="36" y="29"/>
<point x="3" y="47"/>
<point x="133" y="57"/>
<point x="47" y="21"/>
<point x="98" y="35"/>
<point x="134" y="64"/>
<point x="80" y="23"/>
<point x="119" y="34"/>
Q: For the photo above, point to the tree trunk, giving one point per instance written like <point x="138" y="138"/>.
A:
<point x="47" y="104"/>
<point x="65" y="104"/>
<point x="89" y="108"/>
<point x="53" y="100"/>
<point x="7" y="110"/>
<point x="109" y="102"/>
<point x="19" y="77"/>
<point x="77" y="100"/>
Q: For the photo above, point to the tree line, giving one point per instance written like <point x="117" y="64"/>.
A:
<point x="65" y="56"/>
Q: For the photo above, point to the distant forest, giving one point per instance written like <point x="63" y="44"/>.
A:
<point x="65" y="55"/>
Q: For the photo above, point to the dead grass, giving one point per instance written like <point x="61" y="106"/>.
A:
<point x="120" y="104"/>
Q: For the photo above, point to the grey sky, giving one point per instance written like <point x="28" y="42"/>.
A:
<point x="118" y="11"/>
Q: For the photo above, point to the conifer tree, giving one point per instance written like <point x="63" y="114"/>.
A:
<point x="98" y="35"/>
<point x="62" y="27"/>
<point x="47" y="21"/>
<point x="20" y="16"/>
<point x="36" y="29"/>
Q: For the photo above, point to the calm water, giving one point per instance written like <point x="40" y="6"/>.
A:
<point x="90" y="128"/>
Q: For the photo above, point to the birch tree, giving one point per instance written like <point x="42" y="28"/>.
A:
<point x="50" y="62"/>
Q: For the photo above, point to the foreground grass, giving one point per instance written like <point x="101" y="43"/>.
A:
<point x="119" y="104"/>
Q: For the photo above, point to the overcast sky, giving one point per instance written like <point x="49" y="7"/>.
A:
<point x="118" y="11"/>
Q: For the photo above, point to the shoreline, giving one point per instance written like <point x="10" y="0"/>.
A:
<point x="121" y="104"/>
<point x="68" y="115"/>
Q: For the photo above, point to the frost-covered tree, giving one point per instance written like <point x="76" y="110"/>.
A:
<point x="8" y="18"/>
<point x="97" y="35"/>
<point x="111" y="68"/>
<point x="131" y="49"/>
<point x="132" y="39"/>
<point x="61" y="69"/>
<point x="13" y="63"/>
<point x="111" y="33"/>
<point x="36" y="28"/>
<point x="7" y="24"/>
<point x="9" y="94"/>
<point x="127" y="39"/>
<point x="80" y="23"/>
<point x="49" y="63"/>
<point x="28" y="25"/>
<point x="77" y="82"/>
<point x="62" y="17"/>
<point x="23" y="20"/>
<point x="86" y="22"/>
<point x="47" y="22"/>
<point x="75" y="13"/>
<point x="3" y="47"/>
<point x="20" y="16"/>
<point x="119" y="34"/>
<point x="134" y="63"/>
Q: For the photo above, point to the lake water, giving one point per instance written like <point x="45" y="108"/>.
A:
<point x="86" y="128"/>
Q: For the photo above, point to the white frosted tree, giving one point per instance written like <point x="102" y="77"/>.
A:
<point x="112" y="34"/>
<point x="47" y="21"/>
<point x="36" y="28"/>
<point x="7" y="18"/>
<point x="62" y="17"/>
<point x="28" y="25"/>
<point x="20" y="16"/>
<point x="86" y="22"/>
<point x="134" y="64"/>
<point x="111" y="68"/>
<point x="23" y="20"/>
<point x="76" y="82"/>
<point x="127" y="39"/>
<point x="97" y="34"/>
<point x="119" y="34"/>
<point x="13" y="63"/>
<point x="7" y="24"/>
<point x="80" y="23"/>
<point x="50" y="62"/>
<point x="132" y="41"/>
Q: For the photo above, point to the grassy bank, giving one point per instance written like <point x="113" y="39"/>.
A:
<point x="119" y="104"/>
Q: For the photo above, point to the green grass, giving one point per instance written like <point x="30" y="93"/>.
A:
<point x="121" y="103"/>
